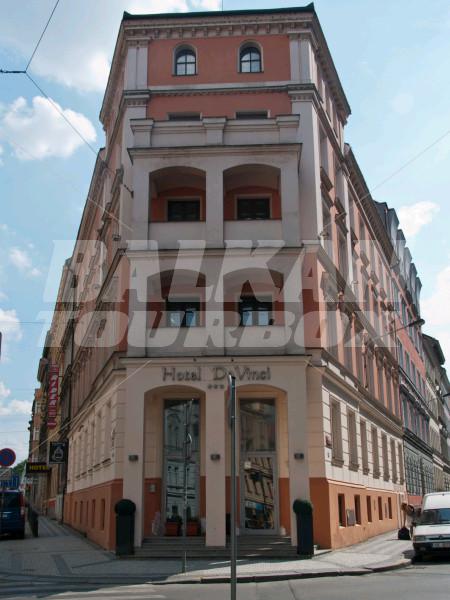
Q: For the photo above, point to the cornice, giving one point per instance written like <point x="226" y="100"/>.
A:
<point x="208" y="150"/>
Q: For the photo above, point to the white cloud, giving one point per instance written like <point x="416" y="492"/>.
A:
<point x="62" y="58"/>
<point x="1" y="161"/>
<point x="4" y="391"/>
<point x="415" y="216"/>
<point x="15" y="407"/>
<point x="39" y="131"/>
<point x="22" y="261"/>
<point x="11" y="331"/>
<point x="434" y="310"/>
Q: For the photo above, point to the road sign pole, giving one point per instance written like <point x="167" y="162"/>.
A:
<point x="232" y="418"/>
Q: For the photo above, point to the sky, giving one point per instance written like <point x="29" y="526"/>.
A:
<point x="392" y="59"/>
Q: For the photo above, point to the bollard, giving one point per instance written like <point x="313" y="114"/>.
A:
<point x="305" y="540"/>
<point x="124" y="510"/>
<point x="33" y="521"/>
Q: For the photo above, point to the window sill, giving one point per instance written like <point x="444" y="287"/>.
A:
<point x="337" y="462"/>
<point x="353" y="467"/>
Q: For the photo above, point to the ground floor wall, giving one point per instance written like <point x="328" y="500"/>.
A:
<point x="91" y="511"/>
<point x="345" y="514"/>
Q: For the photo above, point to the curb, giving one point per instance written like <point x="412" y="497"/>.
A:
<point x="162" y="580"/>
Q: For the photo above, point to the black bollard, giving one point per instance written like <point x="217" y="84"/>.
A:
<point x="305" y="539"/>
<point x="33" y="521"/>
<point x="124" y="510"/>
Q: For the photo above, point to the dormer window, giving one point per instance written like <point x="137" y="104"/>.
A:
<point x="185" y="62"/>
<point x="250" y="59"/>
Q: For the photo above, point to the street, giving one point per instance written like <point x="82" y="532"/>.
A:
<point x="430" y="580"/>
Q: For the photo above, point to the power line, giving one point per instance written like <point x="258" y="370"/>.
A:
<point x="42" y="35"/>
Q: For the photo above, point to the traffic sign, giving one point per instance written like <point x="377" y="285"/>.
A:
<point x="7" y="457"/>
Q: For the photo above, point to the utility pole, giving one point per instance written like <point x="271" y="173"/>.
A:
<point x="232" y="420"/>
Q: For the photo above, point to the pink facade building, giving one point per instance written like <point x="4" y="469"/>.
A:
<point x="228" y="228"/>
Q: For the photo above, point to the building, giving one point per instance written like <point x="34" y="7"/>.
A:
<point x="437" y="393"/>
<point x="228" y="228"/>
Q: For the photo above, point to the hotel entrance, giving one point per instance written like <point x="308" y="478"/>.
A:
<point x="181" y="464"/>
<point x="258" y="469"/>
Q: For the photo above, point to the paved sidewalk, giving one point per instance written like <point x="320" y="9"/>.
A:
<point x="59" y="552"/>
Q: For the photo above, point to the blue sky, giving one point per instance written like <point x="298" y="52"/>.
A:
<point x="392" y="58"/>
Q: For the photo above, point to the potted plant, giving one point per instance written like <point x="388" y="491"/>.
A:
<point x="192" y="527"/>
<point x="173" y="525"/>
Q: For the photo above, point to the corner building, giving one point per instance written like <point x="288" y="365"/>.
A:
<point x="228" y="228"/>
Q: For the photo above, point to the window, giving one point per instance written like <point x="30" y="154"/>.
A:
<point x="185" y="62"/>
<point x="364" y="447"/>
<point x="327" y="232"/>
<point x="251" y="114"/>
<point x="380" y="508"/>
<point x="348" y="341"/>
<point x="393" y="461"/>
<point x="183" y="210"/>
<point x="336" y="433"/>
<point x="380" y="372"/>
<point x="253" y="208"/>
<point x="102" y="514"/>
<point x="342" y="254"/>
<point x="369" y="508"/>
<point x="332" y="329"/>
<point x="255" y="312"/>
<point x="93" y="514"/>
<point x="250" y="60"/>
<point x="375" y="453"/>
<point x="341" y="508"/>
<point x="390" y="508"/>
<point x="384" y="447"/>
<point x="184" y="116"/>
<point x="352" y="441"/>
<point x="358" y="509"/>
<point x="183" y="313"/>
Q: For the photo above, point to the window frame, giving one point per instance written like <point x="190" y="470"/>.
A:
<point x="252" y="197"/>
<point x="267" y="301"/>
<point x="194" y="300"/>
<point x="246" y="47"/>
<point x="187" y="50"/>
<point x="180" y="200"/>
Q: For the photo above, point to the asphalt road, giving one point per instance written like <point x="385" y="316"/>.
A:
<point x="427" y="581"/>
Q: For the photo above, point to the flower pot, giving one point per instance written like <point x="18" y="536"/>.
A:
<point x="192" y="528"/>
<point x="172" y="529"/>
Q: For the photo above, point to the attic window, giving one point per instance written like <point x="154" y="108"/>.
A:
<point x="183" y="116"/>
<point x="252" y="114"/>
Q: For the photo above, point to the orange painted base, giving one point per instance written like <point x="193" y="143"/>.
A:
<point x="329" y="532"/>
<point x="91" y="511"/>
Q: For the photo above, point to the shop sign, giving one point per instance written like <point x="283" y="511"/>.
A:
<point x="36" y="468"/>
<point x="52" y="407"/>
<point x="215" y="373"/>
<point x="57" y="453"/>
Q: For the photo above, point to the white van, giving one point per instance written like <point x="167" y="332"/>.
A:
<point x="432" y="531"/>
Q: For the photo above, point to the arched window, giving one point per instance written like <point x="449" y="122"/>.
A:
<point x="250" y="60"/>
<point x="185" y="62"/>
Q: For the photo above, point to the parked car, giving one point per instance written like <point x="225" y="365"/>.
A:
<point x="12" y="513"/>
<point x="432" y="530"/>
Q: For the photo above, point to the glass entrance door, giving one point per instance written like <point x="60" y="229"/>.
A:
<point x="181" y="460"/>
<point x="258" y="502"/>
<point x="259" y="494"/>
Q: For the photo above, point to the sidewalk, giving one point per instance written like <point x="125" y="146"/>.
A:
<point x="59" y="552"/>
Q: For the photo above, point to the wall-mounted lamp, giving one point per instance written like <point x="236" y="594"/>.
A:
<point x="133" y="457"/>
<point x="299" y="455"/>
<point x="214" y="456"/>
